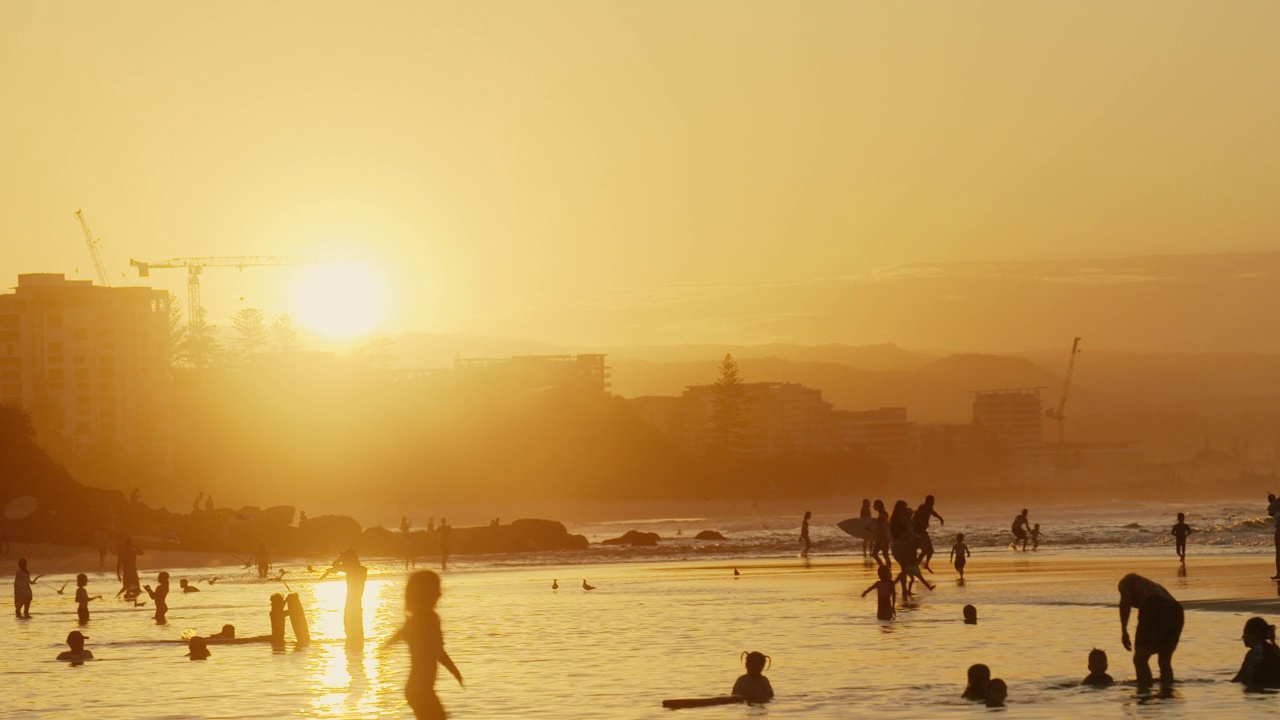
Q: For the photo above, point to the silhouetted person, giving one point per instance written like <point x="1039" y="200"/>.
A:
<point x="208" y="504"/>
<point x="960" y="554"/>
<point x="444" y="544"/>
<point x="406" y="528"/>
<point x="979" y="679"/>
<point x="77" y="654"/>
<point x="263" y="560"/>
<point x="885" y="594"/>
<point x="1098" y="676"/>
<point x="1020" y="529"/>
<point x="83" y="599"/>
<point x="997" y="692"/>
<point x="865" y="512"/>
<point x="187" y="587"/>
<point x="804" y="534"/>
<point x="884" y="536"/>
<point x="970" y="614"/>
<point x="160" y="596"/>
<point x="920" y="524"/>
<point x="1273" y="509"/>
<point x="1159" y="627"/>
<point x="1035" y="537"/>
<point x="198" y="648"/>
<point x="22" y="594"/>
<point x="348" y="563"/>
<point x="753" y="686"/>
<point x="1180" y="532"/>
<point x="127" y="567"/>
<point x="421" y="630"/>
<point x="1261" y="666"/>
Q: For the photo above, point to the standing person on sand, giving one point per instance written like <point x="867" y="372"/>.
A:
<point x="804" y="534"/>
<point x="1021" y="530"/>
<point x="1160" y="621"/>
<point x="865" y="512"/>
<point x="421" y="630"/>
<point x="884" y="535"/>
<point x="920" y="522"/>
<point x="1273" y="509"/>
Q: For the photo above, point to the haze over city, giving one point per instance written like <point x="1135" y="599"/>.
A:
<point x="635" y="347"/>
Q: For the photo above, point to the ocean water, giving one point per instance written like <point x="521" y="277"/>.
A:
<point x="671" y="622"/>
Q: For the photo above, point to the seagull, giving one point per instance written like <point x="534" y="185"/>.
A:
<point x="210" y="580"/>
<point x="311" y="569"/>
<point x="736" y="573"/>
<point x="64" y="587"/>
<point x="585" y="586"/>
<point x="555" y="584"/>
<point x="136" y="603"/>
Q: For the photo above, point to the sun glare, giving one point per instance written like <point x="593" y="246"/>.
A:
<point x="341" y="300"/>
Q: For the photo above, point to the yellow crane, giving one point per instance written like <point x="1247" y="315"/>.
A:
<point x="1057" y="413"/>
<point x="95" y="250"/>
<point x="195" y="268"/>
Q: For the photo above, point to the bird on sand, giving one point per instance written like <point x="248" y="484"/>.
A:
<point x="555" y="584"/>
<point x="585" y="586"/>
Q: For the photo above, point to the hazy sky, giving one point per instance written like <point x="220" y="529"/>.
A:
<point x="495" y="159"/>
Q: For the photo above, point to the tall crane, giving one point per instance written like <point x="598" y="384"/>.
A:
<point x="95" y="250"/>
<point x="1056" y="413"/>
<point x="195" y="268"/>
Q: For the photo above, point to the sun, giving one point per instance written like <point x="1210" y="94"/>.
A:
<point x="341" y="300"/>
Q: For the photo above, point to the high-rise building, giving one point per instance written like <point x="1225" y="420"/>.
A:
<point x="1014" y="418"/>
<point x="576" y="372"/>
<point x="90" y="363"/>
<point x="775" y="418"/>
<point x="883" y="435"/>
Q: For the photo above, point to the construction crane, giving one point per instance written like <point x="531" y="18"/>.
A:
<point x="1056" y="413"/>
<point x="95" y="250"/>
<point x="195" y="268"/>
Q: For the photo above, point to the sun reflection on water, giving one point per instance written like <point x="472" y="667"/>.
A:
<point x="346" y="679"/>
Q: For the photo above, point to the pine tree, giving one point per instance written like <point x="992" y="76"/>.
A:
<point x="284" y="337"/>
<point x="728" y="436"/>
<point x="250" y="324"/>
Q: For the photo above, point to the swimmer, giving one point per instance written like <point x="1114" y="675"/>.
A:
<point x="997" y="691"/>
<point x="83" y="599"/>
<point x="77" y="654"/>
<point x="979" y="680"/>
<point x="887" y="594"/>
<point x="753" y="686"/>
<point x="187" y="587"/>
<point x="960" y="554"/>
<point x="1098" y="676"/>
<point x="198" y="648"/>
<point x="970" y="615"/>
<point x="1261" y="666"/>
<point x="160" y="596"/>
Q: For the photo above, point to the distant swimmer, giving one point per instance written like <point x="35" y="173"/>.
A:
<point x="960" y="554"/>
<point x="886" y="594"/>
<point x="1261" y="666"/>
<point x="753" y="686"/>
<point x="585" y="586"/>
<point x="198" y="648"/>
<point x="804" y="534"/>
<point x="22" y="583"/>
<point x="970" y="614"/>
<point x="997" y="692"/>
<point x="1098" y="676"/>
<point x="1180" y="532"/>
<point x="187" y="587"/>
<point x="555" y="584"/>
<point x="979" y="680"/>
<point x="1160" y="621"/>
<point x="1020" y="530"/>
<point x="1035" y="537"/>
<point x="77" y="654"/>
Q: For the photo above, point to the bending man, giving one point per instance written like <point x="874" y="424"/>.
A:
<point x="1159" y="627"/>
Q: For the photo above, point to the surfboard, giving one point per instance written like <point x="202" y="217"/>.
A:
<point x="681" y="703"/>
<point x="20" y="508"/>
<point x="862" y="528"/>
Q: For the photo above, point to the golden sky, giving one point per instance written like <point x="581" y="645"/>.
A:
<point x="498" y="159"/>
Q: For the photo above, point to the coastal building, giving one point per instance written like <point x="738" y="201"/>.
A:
<point x="1014" y="419"/>
<point x="585" y="372"/>
<point x="90" y="363"/>
<point x="884" y="436"/>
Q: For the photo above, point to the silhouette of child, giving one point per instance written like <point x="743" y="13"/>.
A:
<point x="83" y="599"/>
<point x="997" y="691"/>
<point x="1261" y="666"/>
<point x="187" y="587"/>
<point x="77" y="653"/>
<point x="421" y="630"/>
<point x="160" y="595"/>
<point x="754" y="686"/>
<point x="979" y="680"/>
<point x="970" y="615"/>
<point x="198" y="648"/>
<point x="22" y="583"/>
<point x="887" y="594"/>
<point x="960" y="554"/>
<point x="1098" y="676"/>
<point x="804" y="534"/>
<point x="1180" y="533"/>
<point x="1035" y="539"/>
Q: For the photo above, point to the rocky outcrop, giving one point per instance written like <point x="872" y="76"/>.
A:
<point x="634" y="538"/>
<point x="709" y="535"/>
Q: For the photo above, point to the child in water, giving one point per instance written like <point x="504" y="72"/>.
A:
<point x="160" y="595"/>
<point x="83" y="599"/>
<point x="979" y="679"/>
<point x="198" y="648"/>
<point x="1098" y="676"/>
<point x="1261" y="666"/>
<point x="754" y="686"/>
<point x="887" y="594"/>
<point x="421" y="630"/>
<point x="1180" y="533"/>
<point x="970" y="615"/>
<point x="1035" y="537"/>
<point x="77" y="653"/>
<point x="22" y="583"/>
<point x="997" y="691"/>
<point x="960" y="554"/>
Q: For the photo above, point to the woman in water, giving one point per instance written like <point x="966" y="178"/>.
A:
<point x="1261" y="667"/>
<point x="421" y="630"/>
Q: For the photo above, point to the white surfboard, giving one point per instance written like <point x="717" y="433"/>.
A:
<point x="861" y="528"/>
